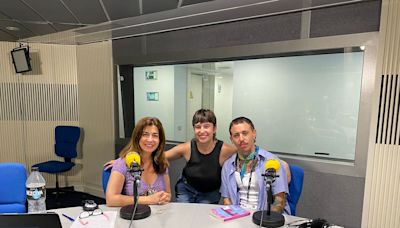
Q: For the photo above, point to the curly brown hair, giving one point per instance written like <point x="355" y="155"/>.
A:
<point x="160" y="163"/>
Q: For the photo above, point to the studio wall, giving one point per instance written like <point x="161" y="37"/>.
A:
<point x="349" y="19"/>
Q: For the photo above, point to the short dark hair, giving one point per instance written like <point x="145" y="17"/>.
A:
<point x="203" y="116"/>
<point x="239" y="120"/>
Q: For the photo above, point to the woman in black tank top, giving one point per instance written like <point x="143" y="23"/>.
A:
<point x="204" y="155"/>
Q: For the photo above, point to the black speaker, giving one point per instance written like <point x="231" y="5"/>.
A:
<point x="21" y="59"/>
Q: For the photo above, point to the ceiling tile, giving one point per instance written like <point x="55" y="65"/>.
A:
<point x="17" y="10"/>
<point x="4" y="36"/>
<point x="118" y="9"/>
<point x="87" y="11"/>
<point x="323" y="2"/>
<point x="22" y="33"/>
<point x="191" y="2"/>
<point x="61" y="27"/>
<point x="2" y="16"/>
<point x="52" y="10"/>
<point x="152" y="6"/>
<point x="40" y="29"/>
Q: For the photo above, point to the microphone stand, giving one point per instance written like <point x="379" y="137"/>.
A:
<point x="268" y="218"/>
<point x="135" y="211"/>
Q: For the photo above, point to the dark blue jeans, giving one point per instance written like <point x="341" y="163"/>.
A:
<point x="185" y="193"/>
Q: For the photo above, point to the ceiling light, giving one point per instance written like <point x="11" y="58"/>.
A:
<point x="12" y="28"/>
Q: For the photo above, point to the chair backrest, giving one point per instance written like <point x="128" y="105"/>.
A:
<point x="12" y="188"/>
<point x="104" y="178"/>
<point x="295" y="186"/>
<point x="67" y="138"/>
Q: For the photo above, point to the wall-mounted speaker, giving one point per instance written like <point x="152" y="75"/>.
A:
<point x="21" y="59"/>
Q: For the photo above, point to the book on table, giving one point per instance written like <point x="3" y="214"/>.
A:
<point x="229" y="212"/>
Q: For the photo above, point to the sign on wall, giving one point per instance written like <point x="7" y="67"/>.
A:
<point x="151" y="74"/>
<point x="152" y="96"/>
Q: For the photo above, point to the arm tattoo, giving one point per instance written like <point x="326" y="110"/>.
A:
<point x="279" y="203"/>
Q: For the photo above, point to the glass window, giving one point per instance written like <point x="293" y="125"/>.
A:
<point x="301" y="103"/>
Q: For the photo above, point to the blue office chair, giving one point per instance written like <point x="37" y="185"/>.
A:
<point x="104" y="178"/>
<point x="66" y="138"/>
<point x="295" y="186"/>
<point x="12" y="188"/>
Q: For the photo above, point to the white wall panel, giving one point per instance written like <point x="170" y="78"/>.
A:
<point x="33" y="103"/>
<point x="96" y="110"/>
<point x="382" y="194"/>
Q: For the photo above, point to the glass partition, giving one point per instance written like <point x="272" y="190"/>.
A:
<point x="301" y="103"/>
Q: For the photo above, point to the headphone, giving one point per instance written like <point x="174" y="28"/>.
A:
<point x="315" y="223"/>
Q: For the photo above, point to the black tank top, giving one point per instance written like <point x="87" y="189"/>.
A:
<point x="203" y="171"/>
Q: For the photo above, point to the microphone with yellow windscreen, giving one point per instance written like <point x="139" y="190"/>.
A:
<point x="132" y="161"/>
<point x="131" y="158"/>
<point x="271" y="169"/>
<point x="134" y="211"/>
<point x="272" y="164"/>
<point x="268" y="218"/>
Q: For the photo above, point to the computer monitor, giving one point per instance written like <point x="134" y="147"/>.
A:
<point x="44" y="220"/>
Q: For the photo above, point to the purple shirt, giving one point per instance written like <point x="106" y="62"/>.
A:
<point x="144" y="188"/>
<point x="229" y="187"/>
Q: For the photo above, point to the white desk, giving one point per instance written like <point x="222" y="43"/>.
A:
<point x="172" y="215"/>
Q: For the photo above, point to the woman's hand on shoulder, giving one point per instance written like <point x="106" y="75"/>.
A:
<point x="108" y="164"/>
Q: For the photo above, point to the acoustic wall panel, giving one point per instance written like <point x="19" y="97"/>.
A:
<point x="382" y="194"/>
<point x="33" y="103"/>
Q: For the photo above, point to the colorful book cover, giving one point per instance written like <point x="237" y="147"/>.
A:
<point x="229" y="212"/>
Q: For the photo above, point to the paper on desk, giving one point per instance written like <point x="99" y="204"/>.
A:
<point x="106" y="220"/>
